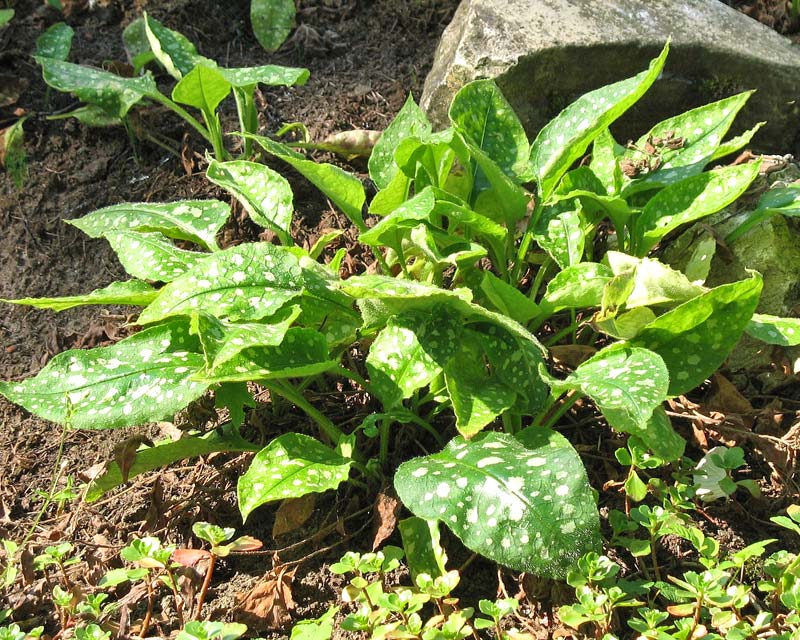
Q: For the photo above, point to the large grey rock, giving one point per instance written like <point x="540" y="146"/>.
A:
<point x="546" y="53"/>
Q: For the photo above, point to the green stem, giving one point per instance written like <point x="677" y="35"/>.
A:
<point x="172" y="106"/>
<point x="383" y="455"/>
<point x="540" y="276"/>
<point x="565" y="406"/>
<point x="287" y="391"/>
<point x="565" y="331"/>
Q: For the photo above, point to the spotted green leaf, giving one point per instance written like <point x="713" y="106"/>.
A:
<point x="203" y="87"/>
<point x="303" y="352"/>
<point x="144" y="378"/>
<point x="478" y="399"/>
<point x="224" y="340"/>
<point x="344" y="189"/>
<point x="290" y="466"/>
<point x="270" y="74"/>
<point x="775" y="330"/>
<point x="515" y="364"/>
<point x="410" y="122"/>
<point x="113" y="93"/>
<point x="523" y="502"/>
<point x="398" y="362"/>
<point x="689" y="200"/>
<point x="626" y="384"/>
<point x="424" y="553"/>
<point x="137" y="46"/>
<point x="662" y="439"/>
<point x="167" y="452"/>
<point x="134" y="292"/>
<point x="272" y="21"/>
<point x="578" y="286"/>
<point x="194" y="220"/>
<point x="481" y="114"/>
<point x="605" y="161"/>
<point x="779" y="200"/>
<point x="264" y="193"/>
<point x="654" y="283"/>
<point x="172" y="50"/>
<point x="565" y="138"/>
<point x="246" y="282"/>
<point x="736" y="143"/>
<point x="389" y="231"/>
<point x="695" y="337"/>
<point x="150" y="256"/>
<point x="91" y="115"/>
<point x="55" y="42"/>
<point x="701" y="130"/>
<point x="559" y="231"/>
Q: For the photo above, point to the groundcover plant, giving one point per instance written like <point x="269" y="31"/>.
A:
<point x="484" y="241"/>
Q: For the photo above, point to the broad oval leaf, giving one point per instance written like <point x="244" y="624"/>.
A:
<point x="523" y="502"/>
<point x="113" y="93"/>
<point x="559" y="231"/>
<point x="411" y="121"/>
<point x="690" y="200"/>
<point x="626" y="384"/>
<point x="203" y="87"/>
<point x="695" y="338"/>
<point x="55" y="42"/>
<point x="775" y="330"/>
<point x="290" y="466"/>
<point x="654" y="283"/>
<point x="565" y="138"/>
<point x="272" y="21"/>
<point x="134" y="292"/>
<point x="150" y="256"/>
<point x="264" y="193"/>
<point x="246" y="282"/>
<point x="194" y="220"/>
<point x="144" y="378"/>
<point x="578" y="286"/>
<point x="481" y="114"/>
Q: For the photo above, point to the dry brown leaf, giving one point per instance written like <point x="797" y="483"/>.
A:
<point x="725" y="397"/>
<point x="269" y="604"/>
<point x="293" y="514"/>
<point x="125" y="453"/>
<point x="387" y="507"/>
<point x="572" y="355"/>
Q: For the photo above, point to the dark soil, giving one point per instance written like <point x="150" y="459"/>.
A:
<point x="365" y="57"/>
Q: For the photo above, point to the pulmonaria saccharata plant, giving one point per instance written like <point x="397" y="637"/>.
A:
<point x="492" y="237"/>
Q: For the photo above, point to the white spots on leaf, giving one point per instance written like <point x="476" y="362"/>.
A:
<point x="490" y="460"/>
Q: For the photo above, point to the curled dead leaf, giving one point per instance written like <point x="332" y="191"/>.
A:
<point x="387" y="507"/>
<point x="269" y="604"/>
<point x="125" y="453"/>
<point x="293" y="514"/>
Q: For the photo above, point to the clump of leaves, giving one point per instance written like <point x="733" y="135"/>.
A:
<point x="485" y="238"/>
<point x="201" y="83"/>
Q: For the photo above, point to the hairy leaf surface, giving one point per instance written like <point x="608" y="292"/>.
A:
<point x="150" y="256"/>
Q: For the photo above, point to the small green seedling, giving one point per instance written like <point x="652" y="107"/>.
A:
<point x="208" y="630"/>
<point x="712" y="476"/>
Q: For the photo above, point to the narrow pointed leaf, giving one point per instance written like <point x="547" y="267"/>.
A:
<point x="246" y="282"/>
<point x="565" y="138"/>
<point x="272" y="21"/>
<point x="690" y="200"/>
<point x="134" y="292"/>
<point x="55" y="42"/>
<point x="498" y="196"/>
<point x="734" y="144"/>
<point x="150" y="256"/>
<point x="113" y="93"/>
<point x="143" y="378"/>
<point x="481" y="114"/>
<point x="524" y="503"/>
<point x="194" y="220"/>
<point x="626" y="384"/>
<point x="172" y="50"/>
<point x="290" y="466"/>
<point x="775" y="330"/>
<point x="264" y="193"/>
<point x="606" y="153"/>
<point x="411" y="121"/>
<point x="268" y="74"/>
<point x="694" y="338"/>
<point x="559" y="231"/>
<point x="344" y="189"/>
<point x="424" y="553"/>
<point x="164" y="453"/>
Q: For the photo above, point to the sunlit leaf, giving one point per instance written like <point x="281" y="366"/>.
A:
<point x="775" y="330"/>
<point x="523" y="502"/>
<point x="290" y="466"/>
<point x="134" y="292"/>
<point x="150" y="256"/>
